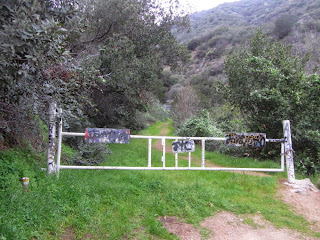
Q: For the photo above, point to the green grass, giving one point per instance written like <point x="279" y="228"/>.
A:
<point x="126" y="204"/>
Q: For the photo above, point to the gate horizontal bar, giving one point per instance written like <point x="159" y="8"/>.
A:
<point x="169" y="137"/>
<point x="172" y="168"/>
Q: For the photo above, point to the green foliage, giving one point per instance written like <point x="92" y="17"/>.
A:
<point x="32" y="44"/>
<point x="306" y="163"/>
<point x="199" y="126"/>
<point x="89" y="154"/>
<point x="269" y="85"/>
<point x="97" y="59"/>
<point x="132" y="43"/>
<point x="218" y="32"/>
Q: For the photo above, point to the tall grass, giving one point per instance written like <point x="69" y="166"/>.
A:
<point x="100" y="204"/>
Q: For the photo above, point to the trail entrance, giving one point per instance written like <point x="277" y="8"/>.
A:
<point x="179" y="144"/>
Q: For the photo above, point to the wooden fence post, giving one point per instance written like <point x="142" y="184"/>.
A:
<point x="288" y="151"/>
<point x="51" y="138"/>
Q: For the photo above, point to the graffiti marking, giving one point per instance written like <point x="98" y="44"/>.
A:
<point x="183" y="146"/>
<point x="246" y="139"/>
<point x="107" y="135"/>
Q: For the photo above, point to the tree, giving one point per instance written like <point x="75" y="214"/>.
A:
<point x="186" y="104"/>
<point x="32" y="40"/>
<point x="131" y="42"/>
<point x="269" y="85"/>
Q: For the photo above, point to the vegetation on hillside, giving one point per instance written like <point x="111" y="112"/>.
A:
<point x="269" y="84"/>
<point x="247" y="89"/>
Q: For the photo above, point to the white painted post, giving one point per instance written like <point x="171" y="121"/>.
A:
<point x="149" y="152"/>
<point x="176" y="157"/>
<point x="189" y="159"/>
<point x="288" y="151"/>
<point x="282" y="156"/>
<point x="51" y="138"/>
<point x="203" y="144"/>
<point x="59" y="141"/>
<point x="164" y="152"/>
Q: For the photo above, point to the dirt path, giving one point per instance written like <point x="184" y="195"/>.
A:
<point x="229" y="226"/>
<point x="305" y="202"/>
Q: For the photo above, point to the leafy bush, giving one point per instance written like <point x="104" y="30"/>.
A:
<point x="305" y="164"/>
<point x="199" y="126"/>
<point x="269" y="85"/>
<point x="90" y="154"/>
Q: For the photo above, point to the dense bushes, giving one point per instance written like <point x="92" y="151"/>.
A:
<point x="87" y="61"/>
<point x="269" y="85"/>
<point x="284" y="24"/>
<point x="199" y="126"/>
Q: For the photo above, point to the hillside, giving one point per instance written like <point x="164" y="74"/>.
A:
<point x="217" y="32"/>
<point x="250" y="13"/>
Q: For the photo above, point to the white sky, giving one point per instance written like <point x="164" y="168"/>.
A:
<point x="199" y="5"/>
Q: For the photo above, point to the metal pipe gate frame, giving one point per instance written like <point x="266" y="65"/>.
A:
<point x="286" y="152"/>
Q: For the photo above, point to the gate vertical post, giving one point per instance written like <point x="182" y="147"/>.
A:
<point x="163" y="152"/>
<point x="149" y="152"/>
<point x="51" y="138"/>
<point x="59" y="141"/>
<point x="176" y="157"/>
<point x="203" y="145"/>
<point x="288" y="151"/>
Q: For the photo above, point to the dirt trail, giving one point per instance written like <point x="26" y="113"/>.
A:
<point x="229" y="226"/>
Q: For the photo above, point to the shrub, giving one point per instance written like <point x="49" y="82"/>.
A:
<point x="306" y="164"/>
<point x="284" y="24"/>
<point x="199" y="126"/>
<point x="90" y="154"/>
<point x="193" y="44"/>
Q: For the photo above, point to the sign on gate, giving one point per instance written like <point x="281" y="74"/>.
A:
<point x="183" y="146"/>
<point x="246" y="139"/>
<point x="107" y="135"/>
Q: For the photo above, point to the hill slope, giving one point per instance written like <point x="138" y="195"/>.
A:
<point x="217" y="32"/>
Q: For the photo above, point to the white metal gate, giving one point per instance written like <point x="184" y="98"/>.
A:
<point x="286" y="152"/>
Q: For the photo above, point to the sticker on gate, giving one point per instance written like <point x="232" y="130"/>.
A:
<point x="183" y="146"/>
<point x="107" y="135"/>
<point x="246" y="139"/>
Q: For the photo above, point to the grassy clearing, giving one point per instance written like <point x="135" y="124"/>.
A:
<point x="126" y="204"/>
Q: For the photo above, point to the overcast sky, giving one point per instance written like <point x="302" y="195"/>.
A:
<point x="200" y="5"/>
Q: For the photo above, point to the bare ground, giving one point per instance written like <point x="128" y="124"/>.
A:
<point x="229" y="226"/>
